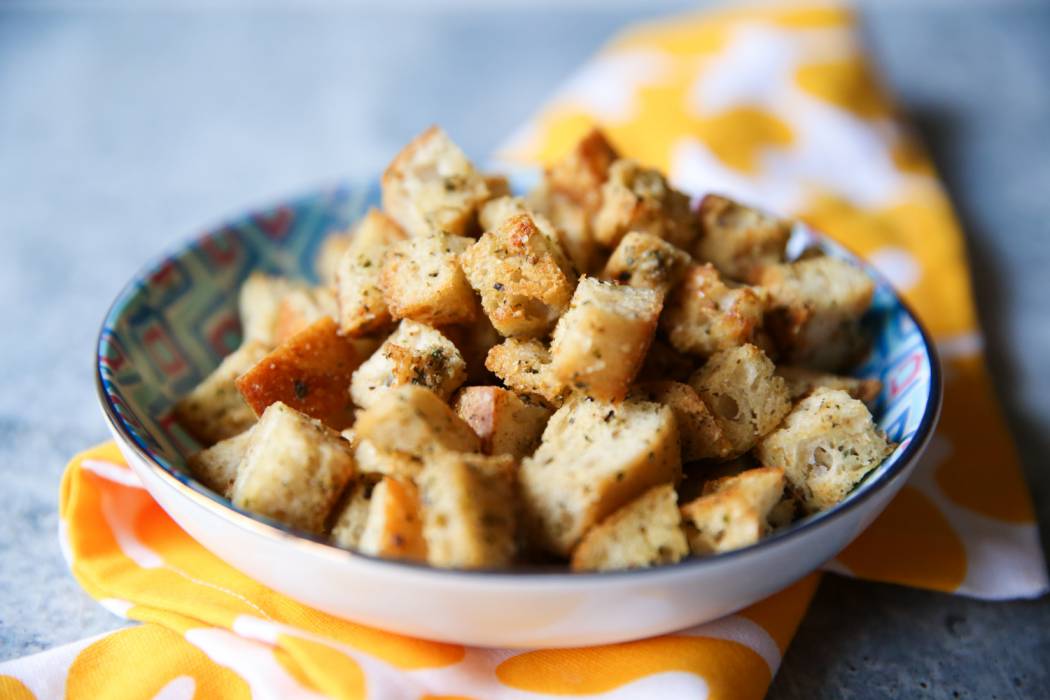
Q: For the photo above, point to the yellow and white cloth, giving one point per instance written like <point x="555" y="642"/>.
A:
<point x="775" y="105"/>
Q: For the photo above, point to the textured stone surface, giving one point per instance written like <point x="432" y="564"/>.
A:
<point x="123" y="132"/>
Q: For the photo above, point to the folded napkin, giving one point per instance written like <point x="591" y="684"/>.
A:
<point x="777" y="106"/>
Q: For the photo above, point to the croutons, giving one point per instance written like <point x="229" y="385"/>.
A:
<point x="734" y="511"/>
<point x="826" y="445"/>
<point x="505" y="422"/>
<point x="599" y="344"/>
<point x="525" y="367"/>
<point x="353" y="515"/>
<point x="468" y="511"/>
<point x="215" y="410"/>
<point x="375" y="462"/>
<point x="635" y="198"/>
<point x="258" y="303"/>
<point x="802" y="381"/>
<point x="747" y="399"/>
<point x="739" y="239"/>
<point x="394" y="526"/>
<point x="703" y="315"/>
<point x="309" y="372"/>
<point x="415" y="421"/>
<point x="644" y="260"/>
<point x="581" y="172"/>
<point x="330" y="253"/>
<point x="431" y="186"/>
<point x="645" y="532"/>
<point x="216" y="467"/>
<point x="413" y="354"/>
<point x="516" y="270"/>
<point x="362" y="308"/>
<point x="496" y="211"/>
<point x="595" y="457"/>
<point x="302" y="307"/>
<point x="294" y="470"/>
<point x="700" y="434"/>
<point x="422" y="280"/>
<point x="814" y="309"/>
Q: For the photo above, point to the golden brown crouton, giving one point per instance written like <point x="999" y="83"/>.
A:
<point x="302" y="307"/>
<point x="635" y="198"/>
<point x="309" y="372"/>
<point x="294" y="470"/>
<point x="394" y="526"/>
<point x="375" y="462"/>
<point x="580" y="173"/>
<point x="332" y="249"/>
<point x="515" y="269"/>
<point x="431" y="187"/>
<point x="572" y="224"/>
<point x="643" y="260"/>
<point x="505" y="422"/>
<point x="645" y="532"/>
<point x="700" y="435"/>
<point x="525" y="367"/>
<point x="497" y="185"/>
<point x="215" y="410"/>
<point x="734" y="511"/>
<point x="802" y="381"/>
<point x="422" y="280"/>
<point x="747" y="399"/>
<point x="362" y="308"/>
<point x="259" y="301"/>
<point x="495" y="212"/>
<point x="413" y="354"/>
<point x="599" y="344"/>
<point x="352" y="515"/>
<point x="595" y="457"/>
<point x="703" y="315"/>
<point x="826" y="445"/>
<point x="216" y="467"/>
<point x="415" y="421"/>
<point x="739" y="239"/>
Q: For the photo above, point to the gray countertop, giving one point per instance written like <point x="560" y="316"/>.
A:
<point x="124" y="129"/>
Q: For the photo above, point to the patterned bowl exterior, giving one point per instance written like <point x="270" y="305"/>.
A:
<point x="172" y="324"/>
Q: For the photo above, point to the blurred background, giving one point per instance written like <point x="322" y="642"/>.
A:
<point x="126" y="127"/>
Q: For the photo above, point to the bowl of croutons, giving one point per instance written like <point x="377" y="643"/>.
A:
<point x="596" y="411"/>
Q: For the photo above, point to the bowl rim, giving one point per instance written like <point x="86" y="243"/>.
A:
<point x="188" y="486"/>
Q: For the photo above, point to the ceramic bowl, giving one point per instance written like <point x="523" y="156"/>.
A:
<point x="175" y="320"/>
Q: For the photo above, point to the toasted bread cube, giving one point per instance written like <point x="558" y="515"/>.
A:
<point x="594" y="458"/>
<point x="635" y="198"/>
<point x="734" y="511"/>
<point x="394" y="526"/>
<point x="580" y="173"/>
<point x="664" y="362"/>
<point x="216" y="467"/>
<point x="375" y="462"/>
<point x="700" y="434"/>
<point x="362" y="308"/>
<point x="495" y="212"/>
<point x="294" y="470"/>
<point x="422" y="280"/>
<point x="259" y="302"/>
<point x="515" y="269"/>
<point x="814" y="309"/>
<point x="739" y="239"/>
<point x="600" y="343"/>
<point x="413" y="420"/>
<point x="302" y="307"/>
<point x="802" y="382"/>
<point x="413" y="354"/>
<point x="496" y="184"/>
<point x="826" y="445"/>
<point x="215" y="410"/>
<point x="572" y="222"/>
<point x="505" y="422"/>
<point x="525" y="367"/>
<point x="643" y="260"/>
<point x="431" y="186"/>
<point x="745" y="395"/>
<point x="703" y="315"/>
<point x="468" y="511"/>
<point x="353" y="515"/>
<point x="309" y="372"/>
<point x="332" y="249"/>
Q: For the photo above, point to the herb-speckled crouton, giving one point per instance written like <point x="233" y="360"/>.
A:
<point x="826" y="445"/>
<point x="393" y="528"/>
<point x="704" y="315"/>
<point x="294" y="470"/>
<point x="216" y="467"/>
<point x="645" y="532"/>
<point x="595" y="457"/>
<point x="635" y="198"/>
<point x="739" y="239"/>
<point x="734" y="511"/>
<point x="525" y="367"/>
<point x="258" y="303"/>
<point x="496" y="211"/>
<point x="362" y="308"/>
<point x="352" y="515"/>
<point x="505" y="422"/>
<point x="415" y="421"/>
<point x="643" y="260"/>
<point x="600" y="343"/>
<point x="422" y="280"/>
<point x="700" y="434"/>
<point x="747" y="399"/>
<point x="375" y="462"/>
<point x="802" y="381"/>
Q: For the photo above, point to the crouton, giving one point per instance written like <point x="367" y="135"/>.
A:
<point x="496" y="184"/>
<point x="663" y="362"/>
<point x="505" y="422"/>
<point x="747" y="399"/>
<point x="301" y="308"/>
<point x="599" y="344"/>
<point x="216" y="467"/>
<point x="580" y="173"/>
<point x="468" y="511"/>
<point x="394" y="526"/>
<point x="814" y="308"/>
<point x="703" y="315"/>
<point x="294" y="470"/>
<point x="375" y="462"/>
<point x="515" y="269"/>
<point x="635" y="198"/>
<point x="495" y="212"/>
<point x="734" y="511"/>
<point x="431" y="187"/>
<point x="422" y="280"/>
<point x="525" y="367"/>
<point x="645" y="532"/>
<point x="593" y="458"/>
<point x="802" y="381"/>
<point x="413" y="354"/>
<point x="362" y="308"/>
<point x="352" y="515"/>
<point x="413" y="420"/>
<point x="258" y="303"/>
<point x="309" y="372"/>
<point x="700" y="434"/>
<point x="643" y="260"/>
<point x="215" y="410"/>
<point x="826" y="445"/>
<point x="572" y="223"/>
<point x="739" y="239"/>
<point x="332" y="249"/>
